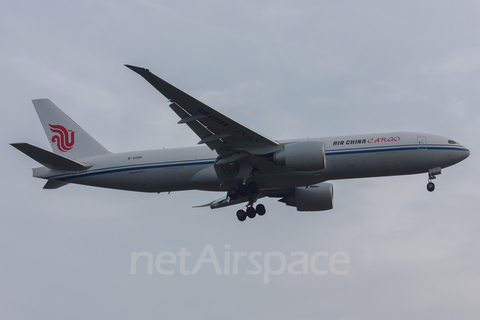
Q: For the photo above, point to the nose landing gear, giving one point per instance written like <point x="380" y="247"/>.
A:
<point x="431" y="176"/>
<point x="430" y="186"/>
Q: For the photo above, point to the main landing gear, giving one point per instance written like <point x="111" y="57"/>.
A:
<point x="243" y="190"/>
<point x="250" y="190"/>
<point x="251" y="212"/>
<point x="431" y="176"/>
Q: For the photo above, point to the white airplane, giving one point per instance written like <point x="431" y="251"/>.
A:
<point x="236" y="160"/>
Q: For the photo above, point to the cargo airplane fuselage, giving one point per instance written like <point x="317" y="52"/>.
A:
<point x="176" y="169"/>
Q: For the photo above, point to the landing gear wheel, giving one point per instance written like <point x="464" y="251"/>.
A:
<point x="430" y="186"/>
<point x="253" y="187"/>
<point x="251" y="213"/>
<point x="241" y="215"/>
<point x="243" y="190"/>
<point x="261" y="209"/>
<point x="232" y="193"/>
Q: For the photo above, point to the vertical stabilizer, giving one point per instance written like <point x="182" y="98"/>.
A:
<point x="66" y="137"/>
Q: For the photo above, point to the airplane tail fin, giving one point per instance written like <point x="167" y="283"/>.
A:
<point x="66" y="137"/>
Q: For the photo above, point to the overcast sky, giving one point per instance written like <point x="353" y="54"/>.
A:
<point x="286" y="69"/>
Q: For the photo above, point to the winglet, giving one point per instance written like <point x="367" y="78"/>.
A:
<point x="169" y="91"/>
<point x="137" y="69"/>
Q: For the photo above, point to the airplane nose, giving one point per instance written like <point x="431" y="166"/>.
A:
<point x="465" y="154"/>
<point x="460" y="154"/>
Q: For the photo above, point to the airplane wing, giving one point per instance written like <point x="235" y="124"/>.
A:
<point x="214" y="129"/>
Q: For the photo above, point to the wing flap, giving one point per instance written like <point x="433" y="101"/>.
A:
<point x="197" y="127"/>
<point x="225" y="202"/>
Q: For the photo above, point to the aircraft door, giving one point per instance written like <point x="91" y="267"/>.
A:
<point x="422" y="143"/>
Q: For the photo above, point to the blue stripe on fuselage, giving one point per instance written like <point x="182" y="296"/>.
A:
<point x="180" y="163"/>
<point x="395" y="148"/>
<point x="156" y="165"/>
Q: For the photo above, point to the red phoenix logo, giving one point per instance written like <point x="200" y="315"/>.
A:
<point x="64" y="138"/>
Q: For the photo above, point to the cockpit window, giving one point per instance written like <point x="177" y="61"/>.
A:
<point x="452" y="142"/>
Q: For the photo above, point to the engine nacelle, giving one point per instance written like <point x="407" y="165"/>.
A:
<point x="302" y="156"/>
<point x="318" y="197"/>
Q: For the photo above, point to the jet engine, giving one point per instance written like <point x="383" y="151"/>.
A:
<point x="318" y="197"/>
<point x="302" y="156"/>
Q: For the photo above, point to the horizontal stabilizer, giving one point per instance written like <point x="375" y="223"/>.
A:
<point x="49" y="159"/>
<point x="53" y="184"/>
